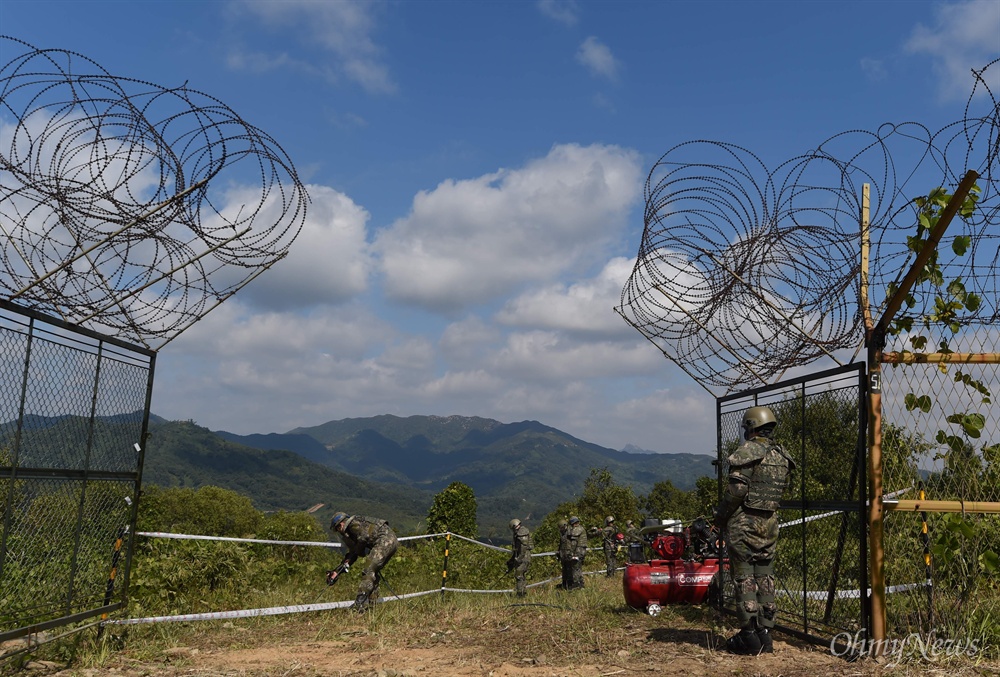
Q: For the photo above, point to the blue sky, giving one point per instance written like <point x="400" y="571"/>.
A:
<point x="476" y="171"/>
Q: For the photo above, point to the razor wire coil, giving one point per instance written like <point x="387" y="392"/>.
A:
<point x="745" y="273"/>
<point x="131" y="208"/>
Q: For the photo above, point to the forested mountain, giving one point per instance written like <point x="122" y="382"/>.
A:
<point x="386" y="466"/>
<point x="180" y="453"/>
<point x="518" y="469"/>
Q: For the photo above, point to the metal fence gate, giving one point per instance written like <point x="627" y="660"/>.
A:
<point x="821" y="565"/>
<point x="74" y="409"/>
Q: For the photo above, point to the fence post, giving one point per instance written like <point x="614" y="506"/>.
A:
<point x="444" y="570"/>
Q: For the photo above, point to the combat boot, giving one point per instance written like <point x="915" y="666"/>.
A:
<point x="360" y="604"/>
<point x="765" y="639"/>
<point x="744" y="642"/>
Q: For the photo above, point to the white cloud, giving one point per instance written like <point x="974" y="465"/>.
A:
<point x="564" y="11"/>
<point x="329" y="262"/>
<point x="874" y="69"/>
<point x="582" y="307"/>
<point x="551" y="357"/>
<point x="343" y="29"/>
<point x="477" y="240"/>
<point x="465" y="342"/>
<point x="963" y="36"/>
<point x="598" y="59"/>
<point x="685" y="419"/>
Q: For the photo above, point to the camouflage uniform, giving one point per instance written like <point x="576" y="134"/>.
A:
<point x="372" y="538"/>
<point x="609" y="538"/>
<point x="758" y="474"/>
<point x="632" y="533"/>
<point x="520" y="558"/>
<point x="577" y="537"/>
<point x="565" y="556"/>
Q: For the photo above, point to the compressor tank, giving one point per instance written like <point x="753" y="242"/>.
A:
<point x="677" y="581"/>
<point x="683" y="567"/>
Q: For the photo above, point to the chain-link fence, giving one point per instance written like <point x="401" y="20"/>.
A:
<point x="941" y="442"/>
<point x="74" y="407"/>
<point x="821" y="562"/>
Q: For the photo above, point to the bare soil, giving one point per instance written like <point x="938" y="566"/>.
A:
<point x="584" y="633"/>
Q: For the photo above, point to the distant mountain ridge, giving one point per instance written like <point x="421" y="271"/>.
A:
<point x="383" y="465"/>
<point x="515" y="469"/>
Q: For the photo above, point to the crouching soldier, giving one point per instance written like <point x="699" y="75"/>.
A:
<point x="370" y="537"/>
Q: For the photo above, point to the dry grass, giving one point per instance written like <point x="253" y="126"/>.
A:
<point x="587" y="632"/>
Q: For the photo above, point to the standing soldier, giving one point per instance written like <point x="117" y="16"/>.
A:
<point x="758" y="474"/>
<point x="577" y="537"/>
<point x="632" y="533"/>
<point x="609" y="541"/>
<point x="365" y="536"/>
<point x="565" y="555"/>
<point x="520" y="556"/>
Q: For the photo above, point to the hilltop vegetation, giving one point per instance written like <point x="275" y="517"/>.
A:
<point x="520" y="469"/>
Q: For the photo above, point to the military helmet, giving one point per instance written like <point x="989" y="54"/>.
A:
<point x="757" y="417"/>
<point x="337" y="519"/>
<point x="609" y="520"/>
<point x="563" y="524"/>
<point x="574" y="520"/>
<point x="515" y="523"/>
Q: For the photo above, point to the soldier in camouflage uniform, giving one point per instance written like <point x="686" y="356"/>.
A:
<point x="520" y="556"/>
<point x="366" y="536"/>
<point x="565" y="556"/>
<point x="577" y="537"/>
<point x="758" y="474"/>
<point x="610" y="542"/>
<point x="632" y="532"/>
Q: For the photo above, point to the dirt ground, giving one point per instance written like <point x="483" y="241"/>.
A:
<point x="666" y="654"/>
<point x="552" y="636"/>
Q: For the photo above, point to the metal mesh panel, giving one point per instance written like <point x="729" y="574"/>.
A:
<point x="820" y="566"/>
<point x="73" y="411"/>
<point x="941" y="435"/>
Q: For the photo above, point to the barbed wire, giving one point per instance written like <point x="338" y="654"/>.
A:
<point x="127" y="207"/>
<point x="745" y="273"/>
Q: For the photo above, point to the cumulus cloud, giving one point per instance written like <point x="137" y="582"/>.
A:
<point x="342" y="29"/>
<point x="962" y="37"/>
<point x="477" y="240"/>
<point x="584" y="307"/>
<point x="328" y="263"/>
<point x="564" y="11"/>
<point x="552" y="357"/>
<point x="598" y="59"/>
<point x="275" y="370"/>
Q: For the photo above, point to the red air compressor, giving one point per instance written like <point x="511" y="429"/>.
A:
<point x="683" y="568"/>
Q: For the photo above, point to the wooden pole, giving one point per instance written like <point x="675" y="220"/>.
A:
<point x="875" y="340"/>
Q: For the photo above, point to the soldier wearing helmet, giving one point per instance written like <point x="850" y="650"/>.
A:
<point x="565" y="555"/>
<point x="520" y="555"/>
<point x="609" y="542"/>
<point x="576" y="536"/>
<point x="758" y="475"/>
<point x="366" y="536"/>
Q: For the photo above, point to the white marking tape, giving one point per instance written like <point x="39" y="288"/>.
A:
<point x="845" y="594"/>
<point x="197" y="537"/>
<point x="250" y="613"/>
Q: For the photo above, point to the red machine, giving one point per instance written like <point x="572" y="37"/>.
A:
<point x="683" y="569"/>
